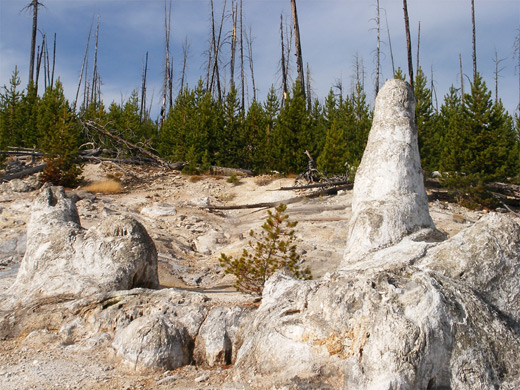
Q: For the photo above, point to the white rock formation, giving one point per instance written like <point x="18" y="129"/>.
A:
<point x="389" y="199"/>
<point x="404" y="311"/>
<point x="62" y="258"/>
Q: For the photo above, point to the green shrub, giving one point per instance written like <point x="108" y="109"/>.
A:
<point x="272" y="250"/>
<point x="233" y="179"/>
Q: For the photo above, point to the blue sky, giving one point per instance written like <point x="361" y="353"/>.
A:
<point x="333" y="32"/>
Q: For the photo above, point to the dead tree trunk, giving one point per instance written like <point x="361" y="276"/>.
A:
<point x="234" y="17"/>
<point x="497" y="72"/>
<point x="94" y="93"/>
<point x="83" y="66"/>
<point x="408" y="42"/>
<point x="216" y="50"/>
<point x="297" y="42"/>
<point x="284" y="69"/>
<point x="142" y="113"/>
<point x="250" y="56"/>
<point x="34" y="4"/>
<point x="185" y="50"/>
<point x="461" y="79"/>
<point x="378" y="46"/>
<point x="418" y="46"/>
<point x="242" y="74"/>
<point x="390" y="45"/>
<point x="53" y="61"/>
<point x="166" y="83"/>
<point x="474" y="39"/>
<point x="309" y="97"/>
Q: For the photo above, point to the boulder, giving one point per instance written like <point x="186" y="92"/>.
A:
<point x="216" y="342"/>
<point x="154" y="341"/>
<point x="62" y="258"/>
<point x="389" y="200"/>
<point x="159" y="210"/>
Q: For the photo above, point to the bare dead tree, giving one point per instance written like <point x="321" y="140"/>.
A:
<point x="167" y="73"/>
<point x="497" y="71"/>
<point x="461" y="79"/>
<point x="142" y="113"/>
<point x="516" y="48"/>
<point x="83" y="65"/>
<point x="378" y="47"/>
<point x="234" y="17"/>
<point x="390" y="45"/>
<point x="94" y="92"/>
<point x="216" y="49"/>
<point x="418" y="45"/>
<point x="283" y="65"/>
<point x="242" y="73"/>
<point x="359" y="76"/>
<point x="408" y="42"/>
<point x="53" y="61"/>
<point x="185" y="51"/>
<point x="309" y="97"/>
<point x="250" y="57"/>
<point x="434" y="92"/>
<point x="34" y="4"/>
<point x="38" y="64"/>
<point x="474" y="39"/>
<point x="298" y="47"/>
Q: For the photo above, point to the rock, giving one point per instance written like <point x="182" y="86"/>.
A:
<point x="485" y="257"/>
<point x="206" y="243"/>
<point x="216" y="342"/>
<point x="12" y="251"/>
<point x="155" y="341"/>
<point x="159" y="210"/>
<point x="389" y="200"/>
<point x="64" y="258"/>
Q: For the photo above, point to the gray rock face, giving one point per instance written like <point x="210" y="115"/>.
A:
<point x="63" y="258"/>
<point x="389" y="199"/>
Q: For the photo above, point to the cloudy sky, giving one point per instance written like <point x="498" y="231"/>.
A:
<point x="333" y="33"/>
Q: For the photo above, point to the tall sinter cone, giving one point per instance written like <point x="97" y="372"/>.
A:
<point x="389" y="199"/>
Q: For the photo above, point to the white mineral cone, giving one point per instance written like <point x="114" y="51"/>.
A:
<point x="389" y="200"/>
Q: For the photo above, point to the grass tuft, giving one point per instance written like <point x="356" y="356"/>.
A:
<point x="105" y="187"/>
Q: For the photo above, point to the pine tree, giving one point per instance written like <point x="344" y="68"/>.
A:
<point x="60" y="137"/>
<point x="10" y="119"/>
<point x="429" y="142"/>
<point x="255" y="139"/>
<point x="453" y="141"/>
<point x="230" y="136"/>
<point x="291" y="137"/>
<point x="333" y="157"/>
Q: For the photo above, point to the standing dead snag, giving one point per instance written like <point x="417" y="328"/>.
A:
<point x="297" y="43"/>
<point x="408" y="42"/>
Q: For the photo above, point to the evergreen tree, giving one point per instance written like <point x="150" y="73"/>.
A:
<point x="255" y="139"/>
<point x="425" y="119"/>
<point x="271" y="110"/>
<point x="333" y="157"/>
<point x="60" y="137"/>
<point x="10" y="118"/>
<point x="230" y="137"/>
<point x="292" y="137"/>
<point x="453" y="142"/>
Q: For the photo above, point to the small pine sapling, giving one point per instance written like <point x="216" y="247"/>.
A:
<point x="273" y="249"/>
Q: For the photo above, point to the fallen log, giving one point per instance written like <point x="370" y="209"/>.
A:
<point x="25" y="172"/>
<point x="93" y="126"/>
<point x="267" y="205"/>
<point x="345" y="184"/>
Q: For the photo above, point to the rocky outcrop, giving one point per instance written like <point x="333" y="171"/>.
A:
<point x="403" y="327"/>
<point x="62" y="258"/>
<point x="406" y="310"/>
<point x="389" y="199"/>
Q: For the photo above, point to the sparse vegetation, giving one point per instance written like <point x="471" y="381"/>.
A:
<point x="233" y="179"/>
<point x="273" y="249"/>
<point x="105" y="187"/>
